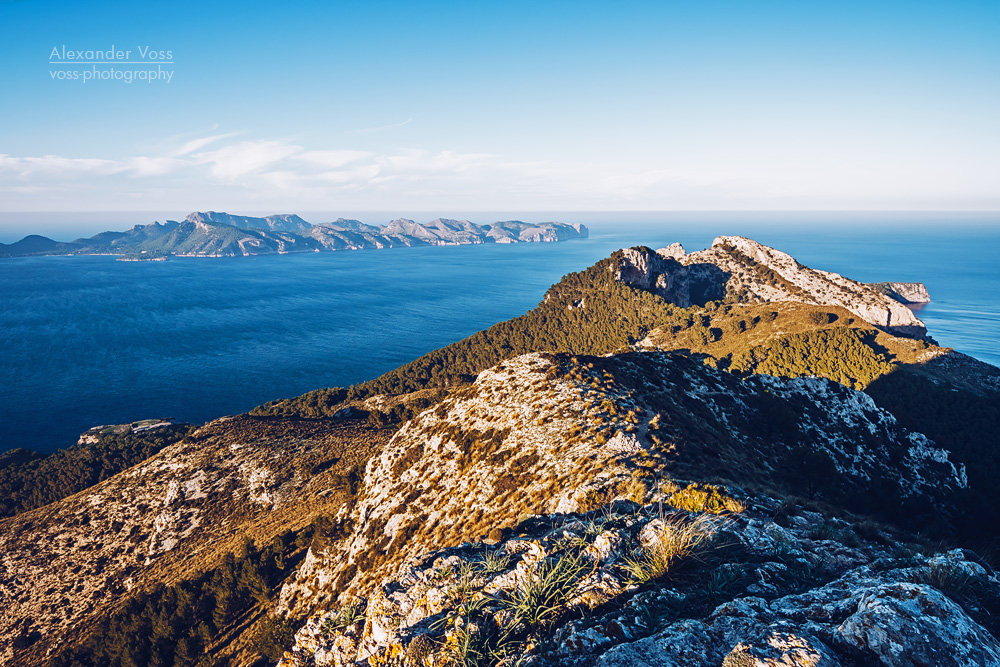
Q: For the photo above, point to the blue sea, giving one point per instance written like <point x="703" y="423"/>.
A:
<point x="89" y="340"/>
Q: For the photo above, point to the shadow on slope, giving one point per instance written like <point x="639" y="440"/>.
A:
<point x="959" y="419"/>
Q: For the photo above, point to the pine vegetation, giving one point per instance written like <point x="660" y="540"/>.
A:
<point x="29" y="480"/>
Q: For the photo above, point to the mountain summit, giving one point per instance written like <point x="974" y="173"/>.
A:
<point x="274" y="223"/>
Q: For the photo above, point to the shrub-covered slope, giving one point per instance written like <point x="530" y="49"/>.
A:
<point x="626" y="300"/>
<point x="691" y="305"/>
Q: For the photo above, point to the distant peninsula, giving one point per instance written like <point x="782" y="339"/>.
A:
<point x="215" y="234"/>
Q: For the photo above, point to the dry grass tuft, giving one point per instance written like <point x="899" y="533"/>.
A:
<point x="709" y="498"/>
<point x="677" y="541"/>
<point x="635" y="490"/>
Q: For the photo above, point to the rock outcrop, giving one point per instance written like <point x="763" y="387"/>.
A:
<point x="906" y="293"/>
<point x="743" y="270"/>
<point x="805" y="590"/>
<point x="275" y="223"/>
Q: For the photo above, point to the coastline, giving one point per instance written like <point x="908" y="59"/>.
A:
<point x="294" y="324"/>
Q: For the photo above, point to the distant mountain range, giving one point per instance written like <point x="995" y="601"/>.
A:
<point x="215" y="234"/>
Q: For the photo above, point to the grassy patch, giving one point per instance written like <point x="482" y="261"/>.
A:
<point x="707" y="498"/>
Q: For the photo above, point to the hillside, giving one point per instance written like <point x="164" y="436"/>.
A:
<point x="543" y="433"/>
<point x="29" y="479"/>
<point x="630" y="473"/>
<point x="34" y="244"/>
<point x="559" y="476"/>
<point x="182" y="511"/>
<point x="641" y="296"/>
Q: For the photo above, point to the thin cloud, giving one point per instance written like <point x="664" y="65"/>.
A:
<point x="380" y="128"/>
<point x="247" y="157"/>
<point x="279" y="170"/>
<point x="196" y="144"/>
<point x="57" y="165"/>
<point x="357" y="175"/>
<point x="333" y="159"/>
<point x="281" y="174"/>
<point x="154" y="166"/>
<point x="427" y="161"/>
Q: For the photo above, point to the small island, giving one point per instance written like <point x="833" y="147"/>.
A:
<point x="145" y="256"/>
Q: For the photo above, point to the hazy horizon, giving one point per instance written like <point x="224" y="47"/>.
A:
<point x="68" y="226"/>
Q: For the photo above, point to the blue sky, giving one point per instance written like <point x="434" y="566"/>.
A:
<point x="443" y="106"/>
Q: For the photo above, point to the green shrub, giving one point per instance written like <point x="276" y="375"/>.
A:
<point x="474" y="646"/>
<point x="493" y="562"/>
<point x="318" y="403"/>
<point x="348" y="614"/>
<point x="542" y="596"/>
<point x="840" y="354"/>
<point x="276" y="635"/>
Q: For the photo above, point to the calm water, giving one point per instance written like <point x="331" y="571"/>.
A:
<point x="88" y="340"/>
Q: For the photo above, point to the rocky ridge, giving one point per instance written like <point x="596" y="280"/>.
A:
<point x="554" y="434"/>
<point x="275" y="223"/>
<point x="906" y="293"/>
<point x="641" y="507"/>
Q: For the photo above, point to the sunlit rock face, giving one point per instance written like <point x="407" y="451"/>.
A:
<point x="738" y="268"/>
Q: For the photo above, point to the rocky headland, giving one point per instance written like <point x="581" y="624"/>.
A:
<point x="752" y="272"/>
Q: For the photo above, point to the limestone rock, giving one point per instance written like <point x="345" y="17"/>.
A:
<point x="905" y="293"/>
<point x="865" y="605"/>
<point x="739" y="267"/>
<point x="674" y="251"/>
<point x="913" y="624"/>
<point x="781" y="649"/>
